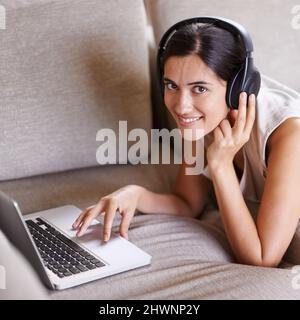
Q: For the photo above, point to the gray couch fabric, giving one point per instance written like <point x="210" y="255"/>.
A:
<point x="191" y="260"/>
<point x="67" y="70"/>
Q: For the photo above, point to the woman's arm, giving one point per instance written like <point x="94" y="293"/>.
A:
<point x="187" y="199"/>
<point x="238" y="222"/>
<point x="265" y="241"/>
<point x="279" y="211"/>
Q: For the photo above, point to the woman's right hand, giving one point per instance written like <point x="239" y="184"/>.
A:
<point x="124" y="200"/>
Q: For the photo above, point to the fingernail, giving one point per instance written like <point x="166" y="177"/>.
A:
<point x="105" y="237"/>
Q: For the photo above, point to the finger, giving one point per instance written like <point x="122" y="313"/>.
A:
<point x="251" y="114"/>
<point x="226" y="128"/>
<point x="241" y="117"/>
<point x="125" y="223"/>
<point x="218" y="135"/>
<point x="78" y="221"/>
<point x="88" y="218"/>
<point x="108" y="219"/>
<point x="97" y="210"/>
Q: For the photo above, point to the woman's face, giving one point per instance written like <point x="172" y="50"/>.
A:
<point x="194" y="95"/>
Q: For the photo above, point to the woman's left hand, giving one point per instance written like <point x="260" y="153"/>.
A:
<point x="229" y="140"/>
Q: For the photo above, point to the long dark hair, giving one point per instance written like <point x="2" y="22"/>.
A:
<point x="219" y="49"/>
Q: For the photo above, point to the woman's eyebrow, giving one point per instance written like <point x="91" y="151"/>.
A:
<point x="199" y="82"/>
<point x="191" y="83"/>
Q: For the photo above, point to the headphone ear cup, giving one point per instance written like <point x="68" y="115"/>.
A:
<point x="253" y="81"/>
<point x="234" y="87"/>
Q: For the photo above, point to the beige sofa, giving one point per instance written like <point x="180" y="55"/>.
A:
<point x="71" y="67"/>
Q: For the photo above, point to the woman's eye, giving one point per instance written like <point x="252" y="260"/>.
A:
<point x="171" y="86"/>
<point x="199" y="89"/>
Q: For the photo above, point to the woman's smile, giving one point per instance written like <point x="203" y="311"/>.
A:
<point x="188" y="121"/>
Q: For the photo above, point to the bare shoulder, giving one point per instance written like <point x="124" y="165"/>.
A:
<point x="287" y="133"/>
<point x="289" y="127"/>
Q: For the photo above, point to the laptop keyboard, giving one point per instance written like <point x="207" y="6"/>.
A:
<point x="60" y="254"/>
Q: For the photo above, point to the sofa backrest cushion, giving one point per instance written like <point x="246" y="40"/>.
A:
<point x="274" y="27"/>
<point x="69" y="68"/>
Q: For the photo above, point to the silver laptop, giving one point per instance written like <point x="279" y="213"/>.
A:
<point x="61" y="259"/>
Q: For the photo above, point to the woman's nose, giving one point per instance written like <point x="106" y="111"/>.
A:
<point x="183" y="103"/>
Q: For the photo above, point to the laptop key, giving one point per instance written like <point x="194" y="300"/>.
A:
<point x="94" y="261"/>
<point x="70" y="243"/>
<point x="80" y="259"/>
<point x="85" y="254"/>
<point x="99" y="264"/>
<point x="74" y="270"/>
<point x="54" y="232"/>
<point x="32" y="224"/>
<point x="39" y="221"/>
<point x="56" y="265"/>
<point x="81" y="267"/>
<point x="90" y="257"/>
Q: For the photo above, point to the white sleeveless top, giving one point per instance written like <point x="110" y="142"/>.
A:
<point x="275" y="104"/>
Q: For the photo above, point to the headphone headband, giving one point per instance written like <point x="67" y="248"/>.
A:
<point x="220" y="22"/>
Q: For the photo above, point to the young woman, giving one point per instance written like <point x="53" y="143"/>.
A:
<point x="253" y="152"/>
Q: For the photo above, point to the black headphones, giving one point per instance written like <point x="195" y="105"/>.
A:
<point x="247" y="78"/>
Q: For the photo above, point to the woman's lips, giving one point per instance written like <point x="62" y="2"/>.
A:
<point x="186" y="122"/>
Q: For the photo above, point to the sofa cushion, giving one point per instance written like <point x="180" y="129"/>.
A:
<point x="270" y="24"/>
<point x="83" y="187"/>
<point x="191" y="258"/>
<point x="69" y="68"/>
